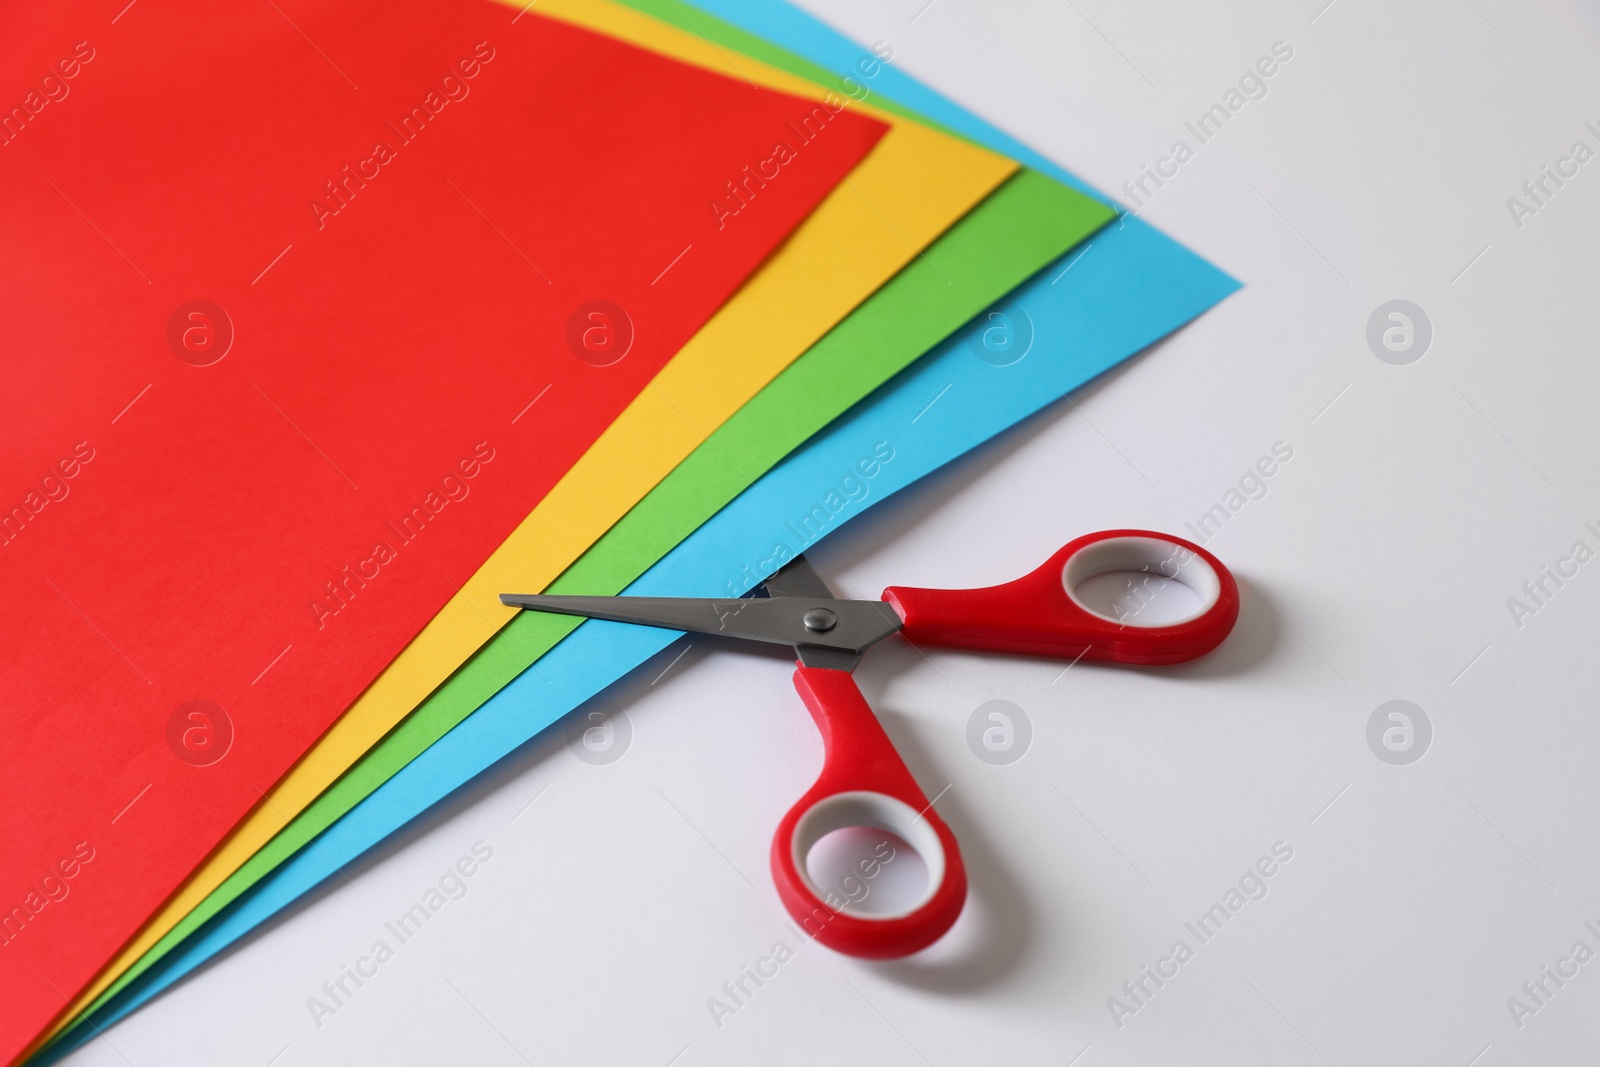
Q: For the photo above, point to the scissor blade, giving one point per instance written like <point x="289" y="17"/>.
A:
<point x="797" y="578"/>
<point x="778" y="620"/>
<point x="701" y="615"/>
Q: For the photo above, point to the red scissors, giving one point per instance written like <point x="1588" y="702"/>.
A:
<point x="864" y="782"/>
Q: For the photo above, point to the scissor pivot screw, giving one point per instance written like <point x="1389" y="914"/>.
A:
<point x="819" y="620"/>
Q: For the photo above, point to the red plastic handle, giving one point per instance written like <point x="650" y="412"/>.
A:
<point x="1039" y="614"/>
<point x="864" y="782"/>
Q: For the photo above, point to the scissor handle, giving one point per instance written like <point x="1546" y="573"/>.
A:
<point x="1041" y="615"/>
<point x="864" y="782"/>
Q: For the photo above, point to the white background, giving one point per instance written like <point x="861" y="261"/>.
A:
<point x="1378" y="566"/>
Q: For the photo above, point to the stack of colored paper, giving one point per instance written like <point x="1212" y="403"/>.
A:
<point x="333" y="321"/>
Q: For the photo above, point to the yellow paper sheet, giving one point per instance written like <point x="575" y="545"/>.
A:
<point x="913" y="185"/>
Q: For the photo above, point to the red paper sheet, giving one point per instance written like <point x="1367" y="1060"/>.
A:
<point x="294" y="297"/>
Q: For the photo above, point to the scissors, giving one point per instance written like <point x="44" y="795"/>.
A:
<point x="864" y="782"/>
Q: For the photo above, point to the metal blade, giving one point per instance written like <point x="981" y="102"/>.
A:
<point x="798" y="578"/>
<point x="850" y="626"/>
<point x="697" y="614"/>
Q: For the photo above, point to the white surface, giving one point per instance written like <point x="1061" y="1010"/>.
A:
<point x="1377" y="566"/>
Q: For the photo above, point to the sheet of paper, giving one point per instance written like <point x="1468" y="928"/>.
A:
<point x="739" y="544"/>
<point x="1137" y="286"/>
<point x="912" y="186"/>
<point x="276" y="328"/>
<point x="1021" y="227"/>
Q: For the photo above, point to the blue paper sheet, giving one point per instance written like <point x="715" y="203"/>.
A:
<point x="1135" y="287"/>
